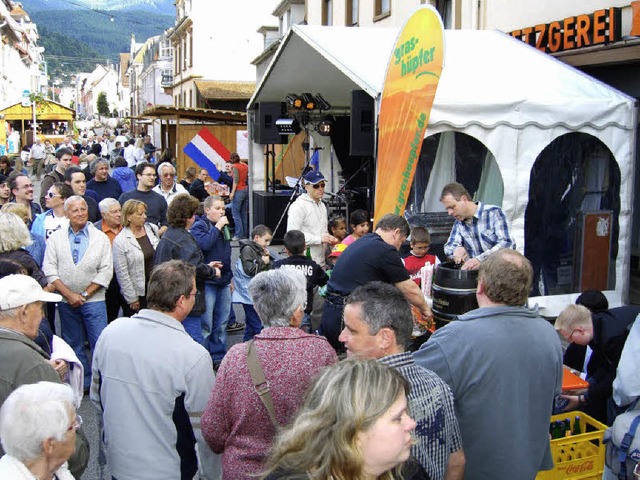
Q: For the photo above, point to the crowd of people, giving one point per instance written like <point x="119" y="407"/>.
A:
<point x="141" y="278"/>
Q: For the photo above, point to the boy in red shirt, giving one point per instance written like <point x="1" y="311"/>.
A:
<point x="418" y="256"/>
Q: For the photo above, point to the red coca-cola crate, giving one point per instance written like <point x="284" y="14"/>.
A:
<point x="577" y="457"/>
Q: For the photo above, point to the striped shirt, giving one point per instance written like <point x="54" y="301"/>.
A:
<point x="481" y="235"/>
<point x="431" y="406"/>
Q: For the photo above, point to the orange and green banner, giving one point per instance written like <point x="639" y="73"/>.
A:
<point x="409" y="89"/>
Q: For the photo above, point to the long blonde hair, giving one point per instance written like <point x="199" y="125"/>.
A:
<point x="347" y="398"/>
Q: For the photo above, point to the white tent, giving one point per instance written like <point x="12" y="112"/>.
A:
<point x="513" y="98"/>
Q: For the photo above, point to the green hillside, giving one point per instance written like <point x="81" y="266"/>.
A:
<point x="66" y="55"/>
<point x="94" y="34"/>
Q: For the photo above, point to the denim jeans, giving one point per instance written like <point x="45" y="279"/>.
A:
<point x="193" y="326"/>
<point x="240" y="212"/>
<point x="215" y="318"/>
<point x="253" y="325"/>
<point x="91" y="316"/>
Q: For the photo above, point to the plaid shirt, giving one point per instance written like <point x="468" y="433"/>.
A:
<point x="484" y="233"/>
<point x="431" y="406"/>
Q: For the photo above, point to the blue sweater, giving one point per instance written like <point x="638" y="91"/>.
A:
<point x="109" y="189"/>
<point x="214" y="247"/>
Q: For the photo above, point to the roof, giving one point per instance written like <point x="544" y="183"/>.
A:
<point x="124" y="64"/>
<point x="225" y="90"/>
<point x="47" y="110"/>
<point x="489" y="78"/>
<point x="165" y="111"/>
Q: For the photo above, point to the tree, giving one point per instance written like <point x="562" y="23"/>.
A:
<point x="103" y="105"/>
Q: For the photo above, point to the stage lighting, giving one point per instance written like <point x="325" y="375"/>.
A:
<point x="287" y="126"/>
<point x="322" y="103"/>
<point x="294" y="101"/>
<point x="309" y="102"/>
<point x="325" y="127"/>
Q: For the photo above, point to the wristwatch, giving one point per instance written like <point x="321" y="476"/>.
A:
<point x="84" y="295"/>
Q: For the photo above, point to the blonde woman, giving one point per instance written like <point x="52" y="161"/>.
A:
<point x="354" y="424"/>
<point x="138" y="151"/>
<point x="133" y="251"/>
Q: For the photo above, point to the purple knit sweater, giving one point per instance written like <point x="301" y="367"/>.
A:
<point x="235" y="422"/>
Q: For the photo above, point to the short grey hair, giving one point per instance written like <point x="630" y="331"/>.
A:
<point x="210" y="199"/>
<point x="15" y="233"/>
<point x="73" y="199"/>
<point x="106" y="204"/>
<point x="391" y="222"/>
<point x="384" y="306"/>
<point x="164" y="165"/>
<point x="33" y="413"/>
<point x="94" y="165"/>
<point x="276" y="294"/>
<point x="573" y="316"/>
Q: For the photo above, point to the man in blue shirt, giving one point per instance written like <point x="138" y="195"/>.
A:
<point x="478" y="231"/>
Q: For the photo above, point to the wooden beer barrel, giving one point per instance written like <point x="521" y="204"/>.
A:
<point x="454" y="292"/>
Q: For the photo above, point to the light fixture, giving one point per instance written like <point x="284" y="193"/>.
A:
<point x="309" y="101"/>
<point x="322" y="103"/>
<point x="287" y="126"/>
<point x="294" y="101"/>
<point x="325" y="127"/>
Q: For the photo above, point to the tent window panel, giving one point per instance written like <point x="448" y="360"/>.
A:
<point x="327" y="12"/>
<point x="574" y="176"/>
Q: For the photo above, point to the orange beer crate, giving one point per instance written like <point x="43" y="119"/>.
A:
<point x="578" y="457"/>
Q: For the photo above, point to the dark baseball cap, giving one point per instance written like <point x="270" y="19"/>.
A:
<point x="314" y="177"/>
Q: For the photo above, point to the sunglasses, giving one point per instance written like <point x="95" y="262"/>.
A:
<point x="319" y="185"/>
<point x="51" y="195"/>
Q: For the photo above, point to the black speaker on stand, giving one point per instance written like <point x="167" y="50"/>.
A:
<point x="265" y="129"/>
<point x="361" y="132"/>
<point x="267" y="209"/>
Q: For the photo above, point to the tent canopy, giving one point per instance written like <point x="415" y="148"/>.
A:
<point x="489" y="78"/>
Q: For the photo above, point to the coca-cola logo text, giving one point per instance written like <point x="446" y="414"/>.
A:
<point x="580" y="467"/>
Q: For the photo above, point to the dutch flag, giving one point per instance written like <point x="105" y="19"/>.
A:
<point x="208" y="152"/>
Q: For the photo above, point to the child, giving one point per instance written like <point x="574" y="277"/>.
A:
<point x="294" y="245"/>
<point x="254" y="258"/>
<point x="359" y="223"/>
<point x="417" y="257"/>
<point x="337" y="228"/>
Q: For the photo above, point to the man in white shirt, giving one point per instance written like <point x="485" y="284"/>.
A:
<point x="36" y="157"/>
<point x="168" y="187"/>
<point x="128" y="154"/>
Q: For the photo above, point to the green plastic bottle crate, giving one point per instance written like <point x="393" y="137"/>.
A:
<point x="578" y="457"/>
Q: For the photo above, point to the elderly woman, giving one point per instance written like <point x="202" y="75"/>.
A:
<point x="178" y="244"/>
<point x="14" y="239"/>
<point x="236" y="422"/>
<point x="353" y="424"/>
<point x="38" y="424"/>
<point x="133" y="251"/>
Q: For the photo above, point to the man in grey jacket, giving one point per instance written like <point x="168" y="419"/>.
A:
<point x="79" y="263"/>
<point x="152" y="382"/>
<point x="503" y="363"/>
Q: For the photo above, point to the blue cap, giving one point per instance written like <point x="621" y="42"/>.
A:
<point x="314" y="177"/>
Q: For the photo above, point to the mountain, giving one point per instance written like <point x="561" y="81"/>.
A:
<point x="161" y="7"/>
<point x="96" y="34"/>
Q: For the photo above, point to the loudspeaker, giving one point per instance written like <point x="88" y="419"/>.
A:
<point x="267" y="208"/>
<point x="362" y="124"/>
<point x="265" y="128"/>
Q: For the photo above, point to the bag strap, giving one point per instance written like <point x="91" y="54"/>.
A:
<point x="627" y="440"/>
<point x="260" y="383"/>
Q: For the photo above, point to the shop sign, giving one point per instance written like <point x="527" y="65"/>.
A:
<point x="598" y="28"/>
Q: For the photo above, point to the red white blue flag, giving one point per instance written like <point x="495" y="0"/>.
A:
<point x="208" y="152"/>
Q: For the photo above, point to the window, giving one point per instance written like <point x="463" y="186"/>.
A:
<point x="327" y="12"/>
<point x="352" y="13"/>
<point x="191" y="48"/>
<point x="382" y="9"/>
<point x="165" y="48"/>
<point x="444" y="8"/>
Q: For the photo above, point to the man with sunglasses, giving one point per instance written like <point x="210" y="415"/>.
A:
<point x="309" y="215"/>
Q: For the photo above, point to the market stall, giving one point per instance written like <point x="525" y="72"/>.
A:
<point x="553" y="146"/>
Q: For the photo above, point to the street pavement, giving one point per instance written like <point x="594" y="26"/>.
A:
<point x="97" y="468"/>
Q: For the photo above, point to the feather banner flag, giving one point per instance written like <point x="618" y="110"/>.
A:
<point x="208" y="152"/>
<point x="409" y="88"/>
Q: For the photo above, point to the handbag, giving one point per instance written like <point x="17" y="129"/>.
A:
<point x="260" y="383"/>
<point x="200" y="305"/>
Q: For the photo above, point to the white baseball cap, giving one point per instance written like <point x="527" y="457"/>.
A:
<point x="18" y="290"/>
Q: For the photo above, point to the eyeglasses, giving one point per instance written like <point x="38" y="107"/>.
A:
<point x="168" y="175"/>
<point x="569" y="337"/>
<point x="27" y="186"/>
<point x="51" y="195"/>
<point x="76" y="424"/>
<point x="319" y="185"/>
<point x="149" y="175"/>
<point x="194" y="295"/>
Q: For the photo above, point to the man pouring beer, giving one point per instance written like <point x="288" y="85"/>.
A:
<point x="478" y="230"/>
